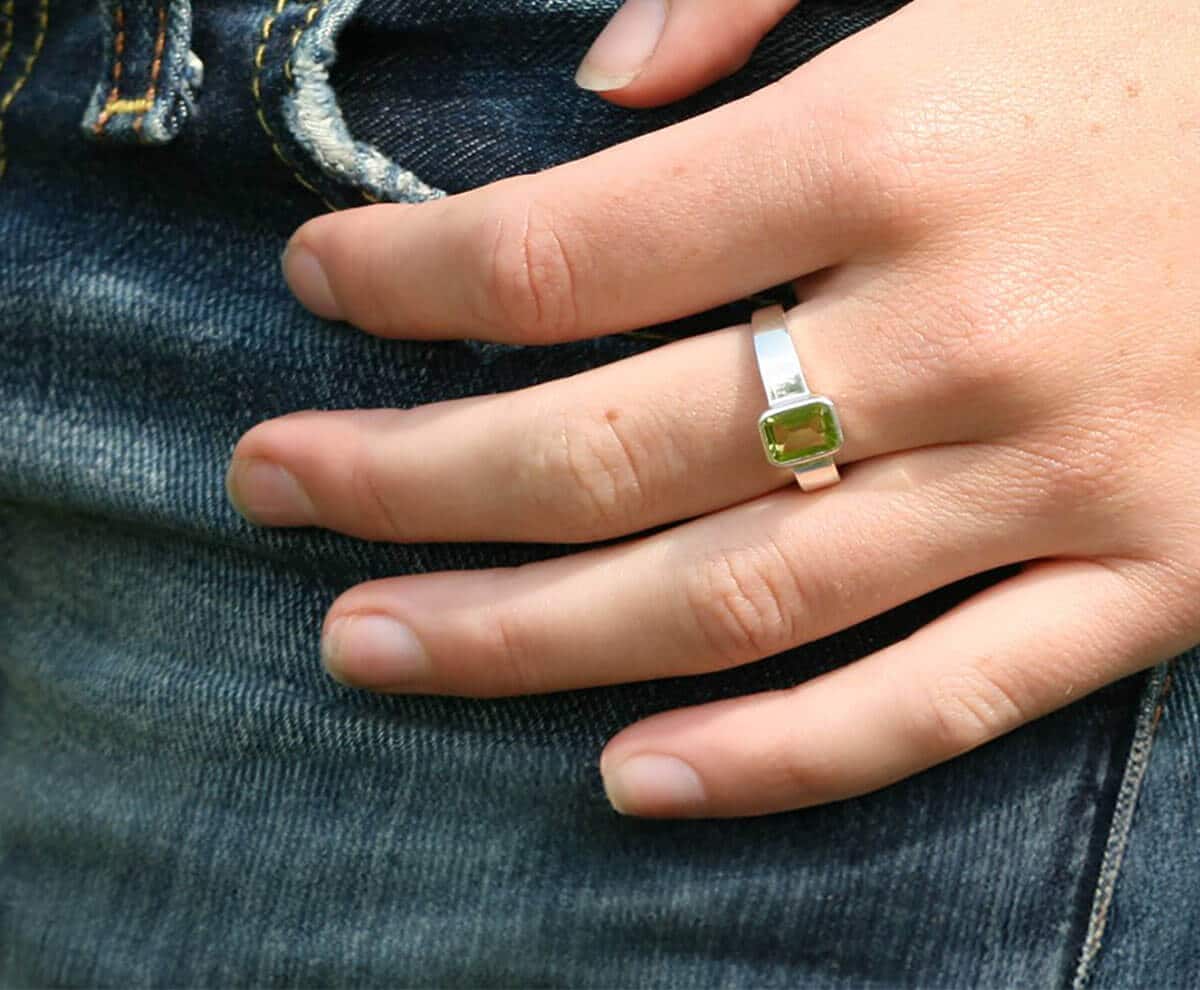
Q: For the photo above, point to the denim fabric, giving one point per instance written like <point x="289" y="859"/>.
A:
<point x="187" y="800"/>
<point x="1145" y="926"/>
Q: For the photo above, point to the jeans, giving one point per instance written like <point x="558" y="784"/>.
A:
<point x="187" y="800"/>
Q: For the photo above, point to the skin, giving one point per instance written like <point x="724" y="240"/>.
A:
<point x="994" y="211"/>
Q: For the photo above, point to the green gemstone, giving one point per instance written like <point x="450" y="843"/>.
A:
<point x="797" y="433"/>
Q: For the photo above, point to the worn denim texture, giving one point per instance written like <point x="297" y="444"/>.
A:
<point x="187" y="800"/>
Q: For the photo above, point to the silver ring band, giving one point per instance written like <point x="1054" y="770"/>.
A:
<point x="799" y="430"/>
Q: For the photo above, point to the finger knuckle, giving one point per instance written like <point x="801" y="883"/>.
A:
<point x="1082" y="469"/>
<point x="957" y="348"/>
<point x="808" y="771"/>
<point x="1070" y="478"/>
<point x="520" y="664"/>
<point x="601" y="467"/>
<point x="978" y="346"/>
<point x="515" y="657"/>
<point x="958" y="710"/>
<point x="869" y="172"/>
<point x="933" y="148"/>
<point x="368" y="497"/>
<point x="528" y="276"/>
<point x="746" y="603"/>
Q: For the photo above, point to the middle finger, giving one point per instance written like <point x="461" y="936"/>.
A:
<point x="737" y="585"/>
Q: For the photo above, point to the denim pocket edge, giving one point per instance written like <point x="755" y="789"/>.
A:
<point x="299" y="110"/>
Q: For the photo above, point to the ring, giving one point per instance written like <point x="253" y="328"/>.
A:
<point x="799" y="430"/>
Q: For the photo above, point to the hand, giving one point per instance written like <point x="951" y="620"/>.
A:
<point x="994" y="208"/>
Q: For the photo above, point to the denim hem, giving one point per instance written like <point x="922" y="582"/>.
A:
<point x="315" y="120"/>
<point x="300" y="114"/>
<point x="1150" y="710"/>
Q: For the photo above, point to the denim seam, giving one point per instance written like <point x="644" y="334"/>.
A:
<point x="39" y="40"/>
<point x="288" y="72"/>
<point x="155" y="69"/>
<point x="115" y="105"/>
<point x="118" y="67"/>
<point x="315" y="121"/>
<point x="8" y="12"/>
<point x="264" y="33"/>
<point x="1150" y="713"/>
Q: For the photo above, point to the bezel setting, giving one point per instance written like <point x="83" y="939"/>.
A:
<point x="814" y="413"/>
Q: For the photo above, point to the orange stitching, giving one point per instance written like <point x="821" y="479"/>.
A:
<point x="314" y="10"/>
<point x="43" y="21"/>
<point x="114" y="105"/>
<point x="287" y="69"/>
<point x="114" y="93"/>
<point x="156" y="67"/>
<point x="1168" y="683"/>
<point x="298" y="33"/>
<point x="256" y="87"/>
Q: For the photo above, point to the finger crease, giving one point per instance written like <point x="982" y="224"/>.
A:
<point x="530" y="279"/>
<point x="569" y="296"/>
<point x="383" y="509"/>
<point x="626" y="453"/>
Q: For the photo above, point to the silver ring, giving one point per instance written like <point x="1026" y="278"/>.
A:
<point x="799" y="430"/>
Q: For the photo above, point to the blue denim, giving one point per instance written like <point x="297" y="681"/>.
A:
<point x="187" y="800"/>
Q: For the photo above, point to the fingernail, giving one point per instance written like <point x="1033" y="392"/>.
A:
<point x="374" y="651"/>
<point x="654" y="785"/>
<point x="306" y="278"/>
<point x="267" y="495"/>
<point x="623" y="48"/>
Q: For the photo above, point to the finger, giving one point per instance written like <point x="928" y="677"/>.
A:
<point x="665" y="435"/>
<point x="732" y="587"/>
<point x="1018" y="650"/>
<point x="669" y="224"/>
<point x="655" y="51"/>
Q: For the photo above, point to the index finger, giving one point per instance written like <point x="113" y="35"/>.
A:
<point x="745" y="197"/>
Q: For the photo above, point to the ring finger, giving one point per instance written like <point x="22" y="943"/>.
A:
<point x="659" y="437"/>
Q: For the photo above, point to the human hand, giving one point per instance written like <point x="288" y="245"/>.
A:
<point x="994" y="209"/>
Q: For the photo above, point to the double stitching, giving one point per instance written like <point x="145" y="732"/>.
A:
<point x="314" y="8"/>
<point x="39" y="40"/>
<point x="155" y="69"/>
<point x="1150" y="713"/>
<point x="115" y="105"/>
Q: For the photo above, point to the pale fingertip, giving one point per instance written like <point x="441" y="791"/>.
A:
<point x="307" y="279"/>
<point x="374" y="651"/>
<point x="587" y="77"/>
<point x="623" y="48"/>
<point x="654" y="785"/>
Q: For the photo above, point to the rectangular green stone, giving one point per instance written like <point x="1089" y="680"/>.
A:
<point x="801" y="432"/>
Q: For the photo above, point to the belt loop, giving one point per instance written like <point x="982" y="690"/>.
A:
<point x="146" y="91"/>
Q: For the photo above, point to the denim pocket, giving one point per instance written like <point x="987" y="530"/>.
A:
<point x="369" y="100"/>
<point x="402" y="100"/>
<point x="310" y="110"/>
